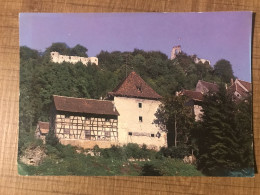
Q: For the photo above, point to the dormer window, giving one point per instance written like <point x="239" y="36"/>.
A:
<point x="139" y="88"/>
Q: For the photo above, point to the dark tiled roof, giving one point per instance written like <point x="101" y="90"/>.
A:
<point x="135" y="86"/>
<point x="195" y="95"/>
<point x="247" y="85"/>
<point x="44" y="127"/>
<point x="82" y="105"/>
<point x="213" y="87"/>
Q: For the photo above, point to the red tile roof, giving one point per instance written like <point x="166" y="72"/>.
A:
<point x="82" y="105"/>
<point x="135" y="86"/>
<point x="195" y="95"/>
<point x="44" y="127"/>
<point x="247" y="85"/>
<point x="235" y="87"/>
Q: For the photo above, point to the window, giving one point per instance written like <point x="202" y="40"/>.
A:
<point x="87" y="134"/>
<point x="140" y="119"/>
<point x="107" y="133"/>
<point x="130" y="133"/>
<point x="67" y="131"/>
<point x="67" y="116"/>
<point x="152" y="135"/>
<point x="106" y="119"/>
<point x="140" y="105"/>
<point x="139" y="88"/>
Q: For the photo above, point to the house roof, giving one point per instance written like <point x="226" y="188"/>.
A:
<point x="44" y="127"/>
<point x="247" y="85"/>
<point x="213" y="87"/>
<point x="134" y="86"/>
<point x="82" y="105"/>
<point x="236" y="87"/>
<point x="195" y="95"/>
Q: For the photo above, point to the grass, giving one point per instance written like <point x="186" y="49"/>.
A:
<point x="64" y="160"/>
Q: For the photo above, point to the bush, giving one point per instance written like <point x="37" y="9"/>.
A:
<point x="175" y="152"/>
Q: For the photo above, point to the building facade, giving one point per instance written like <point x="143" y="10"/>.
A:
<point x="137" y="104"/>
<point x="58" y="58"/>
<point x="84" y="122"/>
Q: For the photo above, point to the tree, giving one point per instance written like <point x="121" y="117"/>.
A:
<point x="245" y="132"/>
<point x="174" y="117"/>
<point x="223" y="69"/>
<point x="79" y="50"/>
<point x="62" y="48"/>
<point x="218" y="135"/>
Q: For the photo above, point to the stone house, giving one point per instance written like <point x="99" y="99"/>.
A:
<point x="240" y="89"/>
<point x="137" y="104"/>
<point x="42" y="129"/>
<point x="84" y="122"/>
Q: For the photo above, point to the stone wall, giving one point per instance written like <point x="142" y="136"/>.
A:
<point x="88" y="143"/>
<point x="58" y="58"/>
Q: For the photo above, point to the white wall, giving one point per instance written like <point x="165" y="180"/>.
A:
<point x="57" y="58"/>
<point x="128" y="121"/>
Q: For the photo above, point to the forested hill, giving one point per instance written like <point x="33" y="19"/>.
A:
<point x="40" y="78"/>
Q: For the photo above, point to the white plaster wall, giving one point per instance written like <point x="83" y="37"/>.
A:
<point x="128" y="121"/>
<point x="198" y="112"/>
<point x="57" y="58"/>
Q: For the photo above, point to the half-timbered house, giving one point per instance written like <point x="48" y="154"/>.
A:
<point x="84" y="122"/>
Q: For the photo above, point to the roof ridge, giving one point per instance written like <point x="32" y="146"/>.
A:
<point x="208" y="82"/>
<point x="244" y="81"/>
<point x="81" y="98"/>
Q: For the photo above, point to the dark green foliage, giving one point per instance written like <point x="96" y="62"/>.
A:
<point x="128" y="151"/>
<point x="79" y="50"/>
<point x="51" y="139"/>
<point x="150" y="170"/>
<point x="176" y="118"/>
<point x="62" y="48"/>
<point x="221" y="147"/>
<point x="175" y="152"/>
<point x="223" y="69"/>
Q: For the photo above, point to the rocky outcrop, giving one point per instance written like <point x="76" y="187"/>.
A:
<point x="33" y="156"/>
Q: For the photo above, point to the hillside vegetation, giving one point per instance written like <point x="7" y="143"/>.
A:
<point x="40" y="79"/>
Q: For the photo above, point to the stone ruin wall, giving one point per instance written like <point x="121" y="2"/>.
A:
<point x="177" y="49"/>
<point x="58" y="58"/>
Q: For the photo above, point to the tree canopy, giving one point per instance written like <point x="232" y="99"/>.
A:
<point x="223" y="69"/>
<point x="223" y="141"/>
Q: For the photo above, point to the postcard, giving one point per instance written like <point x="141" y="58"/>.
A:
<point x="136" y="94"/>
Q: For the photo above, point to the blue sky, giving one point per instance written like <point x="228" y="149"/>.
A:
<point x="212" y="35"/>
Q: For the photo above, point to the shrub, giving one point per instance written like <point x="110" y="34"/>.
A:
<point x="175" y="152"/>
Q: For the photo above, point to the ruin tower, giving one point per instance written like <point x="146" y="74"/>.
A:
<point x="175" y="50"/>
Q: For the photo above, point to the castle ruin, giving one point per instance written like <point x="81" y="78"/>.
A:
<point x="175" y="50"/>
<point x="58" y="58"/>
